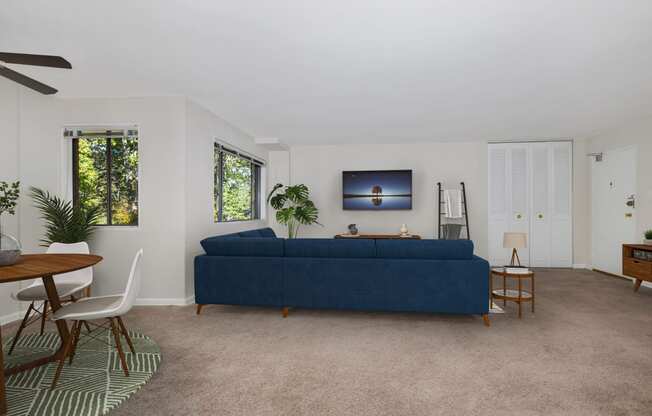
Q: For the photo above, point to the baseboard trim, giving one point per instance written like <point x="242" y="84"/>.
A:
<point x="12" y="317"/>
<point x="581" y="266"/>
<point x="165" y="301"/>
<point x="620" y="276"/>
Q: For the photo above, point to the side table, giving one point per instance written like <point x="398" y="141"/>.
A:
<point x="513" y="295"/>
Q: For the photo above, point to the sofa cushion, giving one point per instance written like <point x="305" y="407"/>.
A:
<point x="326" y="247"/>
<point x="267" y="232"/>
<point x="234" y="246"/>
<point x="250" y="233"/>
<point x="425" y="249"/>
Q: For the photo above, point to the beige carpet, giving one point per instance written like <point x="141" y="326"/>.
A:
<point x="587" y="351"/>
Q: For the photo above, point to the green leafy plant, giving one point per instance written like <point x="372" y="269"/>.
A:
<point x="293" y="207"/>
<point x="64" y="222"/>
<point x="9" y="193"/>
<point x="648" y="235"/>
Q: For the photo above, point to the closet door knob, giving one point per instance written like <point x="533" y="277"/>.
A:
<point x="540" y="216"/>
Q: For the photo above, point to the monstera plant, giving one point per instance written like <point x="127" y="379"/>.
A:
<point x="293" y="207"/>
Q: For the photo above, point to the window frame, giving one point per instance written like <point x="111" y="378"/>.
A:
<point x="257" y="165"/>
<point x="73" y="168"/>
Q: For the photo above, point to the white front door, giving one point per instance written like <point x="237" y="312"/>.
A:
<point x="613" y="183"/>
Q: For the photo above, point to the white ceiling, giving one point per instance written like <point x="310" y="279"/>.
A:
<point x="373" y="71"/>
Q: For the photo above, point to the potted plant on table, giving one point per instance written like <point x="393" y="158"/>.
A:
<point x="648" y="237"/>
<point x="9" y="246"/>
<point x="293" y="207"/>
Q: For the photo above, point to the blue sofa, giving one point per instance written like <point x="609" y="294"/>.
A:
<point x="257" y="268"/>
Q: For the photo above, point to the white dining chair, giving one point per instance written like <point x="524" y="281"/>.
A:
<point x="67" y="284"/>
<point x="109" y="308"/>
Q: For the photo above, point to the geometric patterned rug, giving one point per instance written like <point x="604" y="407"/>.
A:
<point x="92" y="386"/>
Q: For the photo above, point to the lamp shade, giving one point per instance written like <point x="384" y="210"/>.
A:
<point x="515" y="240"/>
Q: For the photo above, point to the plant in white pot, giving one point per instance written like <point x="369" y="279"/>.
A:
<point x="293" y="207"/>
<point x="648" y="237"/>
<point x="9" y="246"/>
<point x="65" y="222"/>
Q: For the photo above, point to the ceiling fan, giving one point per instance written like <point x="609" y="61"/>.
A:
<point x="29" y="59"/>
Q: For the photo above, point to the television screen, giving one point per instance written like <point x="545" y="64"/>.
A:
<point x="377" y="190"/>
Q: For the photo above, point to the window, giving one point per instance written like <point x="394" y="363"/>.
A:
<point x="236" y="190"/>
<point x="105" y="173"/>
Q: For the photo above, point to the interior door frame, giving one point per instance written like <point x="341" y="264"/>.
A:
<point x="628" y="147"/>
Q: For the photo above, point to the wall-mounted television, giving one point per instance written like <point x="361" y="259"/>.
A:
<point x="376" y="190"/>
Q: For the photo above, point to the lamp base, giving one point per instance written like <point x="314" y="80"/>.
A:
<point x="512" y="263"/>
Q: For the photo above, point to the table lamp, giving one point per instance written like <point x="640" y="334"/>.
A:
<point x="515" y="241"/>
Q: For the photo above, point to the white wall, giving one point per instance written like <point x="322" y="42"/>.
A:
<point x="202" y="128"/>
<point x="637" y="133"/>
<point x="277" y="172"/>
<point x="320" y="167"/>
<point x="581" y="206"/>
<point x="9" y="121"/>
<point x="175" y="184"/>
<point x="161" y="229"/>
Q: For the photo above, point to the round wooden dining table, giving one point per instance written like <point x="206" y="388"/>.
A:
<point x="45" y="267"/>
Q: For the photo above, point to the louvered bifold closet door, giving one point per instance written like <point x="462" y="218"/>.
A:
<point x="530" y="191"/>
<point x="540" y="242"/>
<point x="561" y="225"/>
<point x="519" y="196"/>
<point x="551" y="236"/>
<point x="498" y="185"/>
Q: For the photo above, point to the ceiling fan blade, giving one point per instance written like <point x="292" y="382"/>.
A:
<point x="26" y="81"/>
<point x="38" y="60"/>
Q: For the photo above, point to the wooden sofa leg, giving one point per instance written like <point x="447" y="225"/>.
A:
<point x="485" y="318"/>
<point x="285" y="311"/>
<point x="199" y="306"/>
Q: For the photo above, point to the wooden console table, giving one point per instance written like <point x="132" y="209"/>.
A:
<point x="380" y="236"/>
<point x="637" y="263"/>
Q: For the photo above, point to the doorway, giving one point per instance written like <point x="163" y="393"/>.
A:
<point x="613" y="204"/>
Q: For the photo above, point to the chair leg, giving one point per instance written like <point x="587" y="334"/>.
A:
<point x="124" y="331"/>
<point x="76" y="332"/>
<point x="118" y="344"/>
<point x="44" y="315"/>
<point x="88" y="328"/>
<point x="20" y="329"/>
<point x="87" y="292"/>
<point x="62" y="359"/>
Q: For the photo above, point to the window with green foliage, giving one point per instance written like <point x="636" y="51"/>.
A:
<point x="105" y="173"/>
<point x="236" y="190"/>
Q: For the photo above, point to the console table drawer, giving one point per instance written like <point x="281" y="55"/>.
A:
<point x="637" y="268"/>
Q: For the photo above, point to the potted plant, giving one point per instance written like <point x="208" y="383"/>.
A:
<point x="9" y="246"/>
<point x="648" y="237"/>
<point x="64" y="221"/>
<point x="293" y="207"/>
